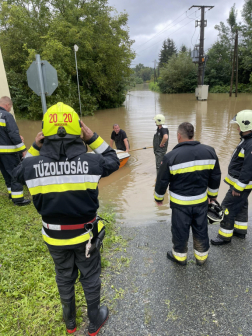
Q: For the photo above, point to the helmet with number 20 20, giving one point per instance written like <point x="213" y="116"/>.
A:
<point x="215" y="213"/>
<point x="244" y="120"/>
<point x="160" y="119"/>
<point x="61" y="122"/>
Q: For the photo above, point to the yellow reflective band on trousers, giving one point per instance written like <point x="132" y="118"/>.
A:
<point x="200" y="256"/>
<point x="179" y="256"/>
<point x="62" y="187"/>
<point x="225" y="234"/>
<point x="241" y="225"/>
<point x="33" y="151"/>
<point x="17" y="196"/>
<point x="191" y="169"/>
<point x="73" y="241"/>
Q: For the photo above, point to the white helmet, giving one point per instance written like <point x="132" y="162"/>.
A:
<point x="244" y="120"/>
<point x="160" y="119"/>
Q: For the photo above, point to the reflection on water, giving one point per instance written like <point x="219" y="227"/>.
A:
<point x="130" y="190"/>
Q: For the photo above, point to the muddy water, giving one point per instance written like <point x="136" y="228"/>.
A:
<point x="130" y="190"/>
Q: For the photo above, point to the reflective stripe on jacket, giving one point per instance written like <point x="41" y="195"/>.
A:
<point x="240" y="167"/>
<point x="192" y="172"/>
<point x="10" y="141"/>
<point x="65" y="191"/>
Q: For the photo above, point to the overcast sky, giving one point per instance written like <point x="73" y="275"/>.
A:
<point x="152" y="21"/>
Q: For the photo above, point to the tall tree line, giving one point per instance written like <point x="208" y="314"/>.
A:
<point x="220" y="58"/>
<point x="51" y="28"/>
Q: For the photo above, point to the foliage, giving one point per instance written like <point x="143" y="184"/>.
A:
<point x="51" y="28"/>
<point x="167" y="51"/>
<point x="29" y="299"/>
<point x="142" y="73"/>
<point x="178" y="75"/>
<point x="242" y="88"/>
<point x="154" y="87"/>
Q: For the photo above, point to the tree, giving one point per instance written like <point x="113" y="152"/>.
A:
<point x="51" y="28"/>
<point x="178" y="75"/>
<point x="220" y="55"/>
<point x="168" y="49"/>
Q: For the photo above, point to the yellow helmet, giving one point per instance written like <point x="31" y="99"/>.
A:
<point x="160" y="119"/>
<point x="61" y="121"/>
<point x="244" y="120"/>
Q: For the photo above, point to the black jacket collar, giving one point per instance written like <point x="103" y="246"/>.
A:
<point x="187" y="143"/>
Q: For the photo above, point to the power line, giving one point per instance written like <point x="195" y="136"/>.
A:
<point x="165" y="28"/>
<point x="162" y="39"/>
<point x="161" y="30"/>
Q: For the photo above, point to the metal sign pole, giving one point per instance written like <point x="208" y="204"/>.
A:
<point x="41" y="83"/>
<point x="76" y="48"/>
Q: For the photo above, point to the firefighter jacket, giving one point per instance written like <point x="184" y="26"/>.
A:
<point x="63" y="181"/>
<point x="10" y="141"/>
<point x="240" y="167"/>
<point x="192" y="172"/>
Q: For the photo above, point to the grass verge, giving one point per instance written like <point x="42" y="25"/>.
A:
<point x="29" y="299"/>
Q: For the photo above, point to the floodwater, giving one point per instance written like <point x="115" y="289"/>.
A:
<point x="130" y="190"/>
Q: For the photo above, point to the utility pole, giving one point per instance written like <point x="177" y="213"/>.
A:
<point x="202" y="24"/>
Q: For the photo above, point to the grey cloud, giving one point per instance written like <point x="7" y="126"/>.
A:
<point x="146" y="15"/>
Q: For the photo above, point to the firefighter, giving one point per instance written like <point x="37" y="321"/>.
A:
<point x="239" y="178"/>
<point x="63" y="180"/>
<point x="160" y="139"/>
<point x="12" y="149"/>
<point x="193" y="174"/>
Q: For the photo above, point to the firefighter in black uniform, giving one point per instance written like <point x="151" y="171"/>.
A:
<point x="160" y="139"/>
<point x="12" y="149"/>
<point x="63" y="180"/>
<point x="235" y="203"/>
<point x="193" y="174"/>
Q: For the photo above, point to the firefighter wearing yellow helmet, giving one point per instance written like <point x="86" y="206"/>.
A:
<point x="239" y="178"/>
<point x="63" y="180"/>
<point x="160" y="139"/>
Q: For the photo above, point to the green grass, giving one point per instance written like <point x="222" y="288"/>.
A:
<point x="29" y="299"/>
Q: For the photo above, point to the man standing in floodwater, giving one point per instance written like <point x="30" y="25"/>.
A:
<point x="235" y="203"/>
<point x="119" y="136"/>
<point x="160" y="140"/>
<point x="193" y="174"/>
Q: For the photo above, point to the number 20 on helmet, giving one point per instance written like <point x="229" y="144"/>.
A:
<point x="61" y="122"/>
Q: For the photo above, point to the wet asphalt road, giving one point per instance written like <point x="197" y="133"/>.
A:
<point x="158" y="297"/>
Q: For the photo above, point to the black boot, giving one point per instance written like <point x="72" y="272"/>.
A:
<point x="219" y="241"/>
<point x="97" y="316"/>
<point x="239" y="235"/>
<point x="172" y="258"/>
<point x="69" y="314"/>
<point x="22" y="203"/>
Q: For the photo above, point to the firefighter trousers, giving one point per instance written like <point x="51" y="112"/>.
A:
<point x="68" y="262"/>
<point x="7" y="163"/>
<point x="184" y="217"/>
<point x="235" y="215"/>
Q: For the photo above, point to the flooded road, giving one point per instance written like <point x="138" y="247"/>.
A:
<point x="130" y="190"/>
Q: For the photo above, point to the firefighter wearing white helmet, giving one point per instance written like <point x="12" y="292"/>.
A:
<point x="63" y="180"/>
<point x="239" y="178"/>
<point x="160" y="140"/>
